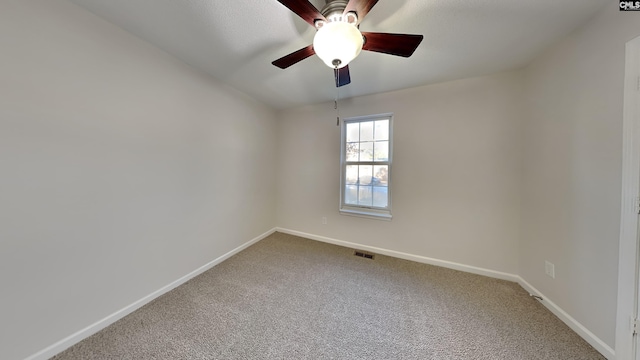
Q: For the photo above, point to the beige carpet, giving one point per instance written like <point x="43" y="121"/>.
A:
<point x="292" y="298"/>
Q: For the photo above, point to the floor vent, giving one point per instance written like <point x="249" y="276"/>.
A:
<point x="363" y="254"/>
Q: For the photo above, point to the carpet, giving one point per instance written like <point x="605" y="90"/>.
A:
<point x="288" y="297"/>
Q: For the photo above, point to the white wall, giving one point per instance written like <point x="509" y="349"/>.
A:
<point x="572" y="169"/>
<point x="456" y="171"/>
<point x="121" y="170"/>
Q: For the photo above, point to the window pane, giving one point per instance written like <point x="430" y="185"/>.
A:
<point x="351" y="194"/>
<point x="366" y="151"/>
<point x="351" y="174"/>
<point x="365" y="173"/>
<point x="380" y="198"/>
<point x="353" y="150"/>
<point x="382" y="130"/>
<point x="381" y="151"/>
<point x="366" y="163"/>
<point x="364" y="196"/>
<point x="366" y="131"/>
<point x="353" y="132"/>
<point x="380" y="174"/>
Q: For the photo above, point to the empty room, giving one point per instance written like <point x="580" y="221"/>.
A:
<point x="295" y="179"/>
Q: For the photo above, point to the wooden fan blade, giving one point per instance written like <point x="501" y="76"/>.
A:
<point x="304" y="9"/>
<point x="296" y="56"/>
<point x="342" y="76"/>
<point x="394" y="44"/>
<point x="360" y="7"/>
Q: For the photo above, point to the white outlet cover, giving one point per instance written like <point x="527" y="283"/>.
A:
<point x="549" y="269"/>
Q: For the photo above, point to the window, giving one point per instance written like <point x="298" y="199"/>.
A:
<point x="365" y="160"/>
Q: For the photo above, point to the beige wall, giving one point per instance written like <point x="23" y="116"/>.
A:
<point x="122" y="170"/>
<point x="572" y="169"/>
<point x="456" y="171"/>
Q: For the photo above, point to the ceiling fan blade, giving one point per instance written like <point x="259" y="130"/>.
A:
<point x="304" y="9"/>
<point x="394" y="44"/>
<point x="361" y="7"/>
<point x="342" y="76"/>
<point x="296" y="56"/>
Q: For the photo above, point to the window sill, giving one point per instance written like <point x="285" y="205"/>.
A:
<point x="367" y="214"/>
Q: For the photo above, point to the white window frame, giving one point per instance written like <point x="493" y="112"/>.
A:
<point x="358" y="210"/>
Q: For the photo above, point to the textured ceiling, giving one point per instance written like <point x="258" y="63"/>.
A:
<point x="236" y="41"/>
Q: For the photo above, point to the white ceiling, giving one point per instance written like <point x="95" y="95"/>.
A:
<point x="236" y="41"/>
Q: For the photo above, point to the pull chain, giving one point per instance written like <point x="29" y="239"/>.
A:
<point x="335" y="103"/>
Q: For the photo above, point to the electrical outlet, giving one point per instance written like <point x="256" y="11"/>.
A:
<point x="550" y="269"/>
<point x="324" y="220"/>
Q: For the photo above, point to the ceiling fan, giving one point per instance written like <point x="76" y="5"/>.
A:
<point x="338" y="39"/>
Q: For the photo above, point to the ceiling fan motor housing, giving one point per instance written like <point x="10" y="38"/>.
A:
<point x="335" y="7"/>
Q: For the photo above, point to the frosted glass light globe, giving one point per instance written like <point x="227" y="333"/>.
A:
<point x="339" y="41"/>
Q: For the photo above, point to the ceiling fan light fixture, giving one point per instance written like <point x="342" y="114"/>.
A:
<point x="337" y="43"/>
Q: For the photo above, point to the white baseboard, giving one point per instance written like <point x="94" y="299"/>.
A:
<point x="101" y="324"/>
<point x="587" y="335"/>
<point x="401" y="255"/>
